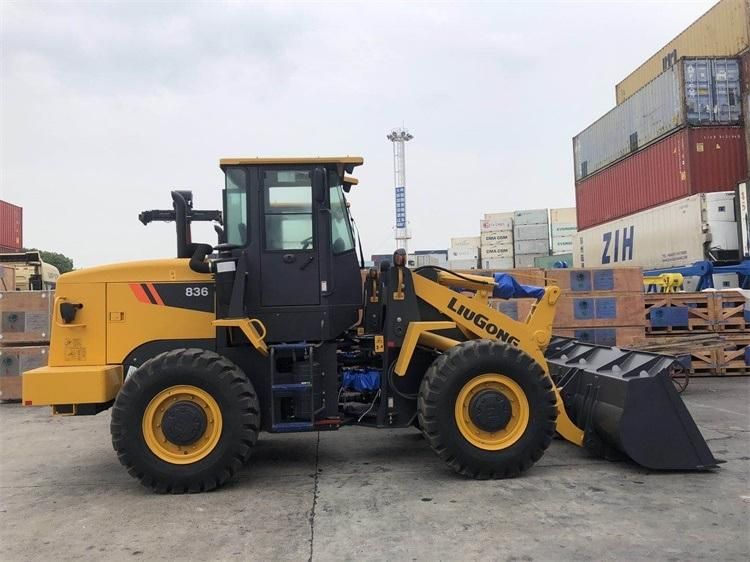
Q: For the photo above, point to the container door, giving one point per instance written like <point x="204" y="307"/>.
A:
<point x="289" y="255"/>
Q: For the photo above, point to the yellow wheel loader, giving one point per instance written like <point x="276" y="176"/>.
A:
<point x="278" y="328"/>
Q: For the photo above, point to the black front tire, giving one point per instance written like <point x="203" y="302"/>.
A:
<point x="215" y="375"/>
<point x="440" y="389"/>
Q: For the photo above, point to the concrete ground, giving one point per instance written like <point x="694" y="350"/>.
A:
<point x="361" y="494"/>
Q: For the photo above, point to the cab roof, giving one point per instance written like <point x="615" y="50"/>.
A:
<point x="346" y="162"/>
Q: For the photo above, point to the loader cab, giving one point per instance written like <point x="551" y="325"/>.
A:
<point x="288" y="228"/>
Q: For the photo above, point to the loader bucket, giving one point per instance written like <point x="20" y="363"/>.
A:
<point x="625" y="402"/>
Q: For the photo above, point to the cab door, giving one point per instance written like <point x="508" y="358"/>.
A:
<point x="290" y="251"/>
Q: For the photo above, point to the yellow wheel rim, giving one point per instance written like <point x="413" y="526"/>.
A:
<point x="172" y="452"/>
<point x="516" y="426"/>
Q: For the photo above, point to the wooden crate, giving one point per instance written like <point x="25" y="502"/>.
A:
<point x="734" y="358"/>
<point x="10" y="388"/>
<point x="517" y="309"/>
<point x="599" y="310"/>
<point x="619" y="336"/>
<point x="14" y="361"/>
<point x="525" y="275"/>
<point x="18" y="359"/>
<point x="621" y="279"/>
<point x="679" y="313"/>
<point x="7" y="278"/>
<point x="731" y="311"/>
<point x="25" y="317"/>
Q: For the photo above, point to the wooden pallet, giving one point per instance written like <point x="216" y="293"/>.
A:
<point x="734" y="357"/>
<point x="731" y="311"/>
<point x="679" y="313"/>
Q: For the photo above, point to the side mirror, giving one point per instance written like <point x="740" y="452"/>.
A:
<point x="319" y="184"/>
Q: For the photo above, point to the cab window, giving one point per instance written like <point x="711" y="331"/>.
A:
<point x="341" y="228"/>
<point x="288" y="210"/>
<point x="235" y="216"/>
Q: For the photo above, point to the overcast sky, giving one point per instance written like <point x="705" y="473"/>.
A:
<point x="108" y="106"/>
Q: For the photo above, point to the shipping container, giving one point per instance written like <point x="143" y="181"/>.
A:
<point x="498" y="251"/>
<point x="745" y="72"/>
<point x="527" y="260"/>
<point x="11" y="227"/>
<point x="463" y="264"/>
<point x="565" y="215"/>
<point x="531" y="246"/>
<point x="496" y="224"/>
<point x="531" y="216"/>
<point x="690" y="161"/>
<point x="554" y="262"/>
<point x="679" y="233"/>
<point x="563" y="245"/>
<point x="466" y="242"/>
<point x="499" y="216"/>
<point x="531" y="232"/>
<point x="723" y="31"/>
<point x="463" y="253"/>
<point x="497" y="263"/>
<point x="561" y="230"/>
<point x="497" y="237"/>
<point x="692" y="92"/>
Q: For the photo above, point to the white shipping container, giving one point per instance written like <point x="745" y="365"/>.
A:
<point x="531" y="232"/>
<point x="531" y="216"/>
<point x="463" y="264"/>
<point x="497" y="263"/>
<point x="562" y="245"/>
<point x="565" y="215"/>
<point x="531" y="247"/>
<point x="563" y="230"/>
<point x="527" y="260"/>
<point x="497" y="237"/>
<point x="431" y="259"/>
<point x="692" y="92"/>
<point x="496" y="224"/>
<point x="498" y="251"/>
<point x="463" y="253"/>
<point x="498" y="216"/>
<point x="465" y="242"/>
<point x="671" y="235"/>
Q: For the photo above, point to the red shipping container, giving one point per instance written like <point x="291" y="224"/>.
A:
<point x="745" y="76"/>
<point x="11" y="226"/>
<point x="697" y="160"/>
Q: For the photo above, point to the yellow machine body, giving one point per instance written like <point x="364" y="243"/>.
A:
<point x="122" y="307"/>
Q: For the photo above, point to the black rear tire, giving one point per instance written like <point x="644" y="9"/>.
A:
<point x="215" y="377"/>
<point x="442" y="386"/>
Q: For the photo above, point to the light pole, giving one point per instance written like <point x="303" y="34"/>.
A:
<point x="399" y="137"/>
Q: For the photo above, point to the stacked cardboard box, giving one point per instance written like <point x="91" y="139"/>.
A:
<point x="24" y="337"/>
<point x="497" y="241"/>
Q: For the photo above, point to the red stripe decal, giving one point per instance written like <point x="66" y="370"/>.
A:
<point x="139" y="293"/>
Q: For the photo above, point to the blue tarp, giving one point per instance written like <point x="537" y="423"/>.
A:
<point x="506" y="287"/>
<point x="361" y="380"/>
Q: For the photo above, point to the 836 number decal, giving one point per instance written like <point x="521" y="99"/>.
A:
<point x="196" y="291"/>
